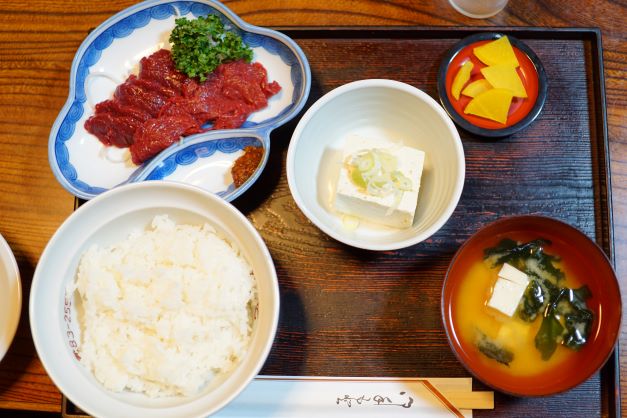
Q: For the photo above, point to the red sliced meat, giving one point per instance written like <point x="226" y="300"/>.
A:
<point x="178" y="106"/>
<point x="157" y="134"/>
<point x="113" y="130"/>
<point x="133" y="94"/>
<point x="153" y="86"/>
<point x="151" y="111"/>
<point x="230" y="95"/>
<point x="160" y="67"/>
<point x="244" y="82"/>
<point x="115" y="108"/>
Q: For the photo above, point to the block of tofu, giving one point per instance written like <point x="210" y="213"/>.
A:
<point x="508" y="290"/>
<point x="512" y="274"/>
<point x="386" y="210"/>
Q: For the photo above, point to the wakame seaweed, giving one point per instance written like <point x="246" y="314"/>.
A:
<point x="548" y="336"/>
<point x="577" y="319"/>
<point x="533" y="302"/>
<point x="518" y="255"/>
<point x="539" y="293"/>
<point x="566" y="318"/>
<point x="493" y="350"/>
<point x="509" y="251"/>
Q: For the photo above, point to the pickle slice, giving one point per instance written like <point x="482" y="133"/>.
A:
<point x="498" y="52"/>
<point x="492" y="104"/>
<point x="461" y="78"/>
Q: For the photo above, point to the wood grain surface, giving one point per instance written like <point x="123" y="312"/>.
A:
<point x="378" y="313"/>
<point x="38" y="40"/>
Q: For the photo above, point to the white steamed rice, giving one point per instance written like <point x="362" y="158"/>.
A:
<point x="166" y="310"/>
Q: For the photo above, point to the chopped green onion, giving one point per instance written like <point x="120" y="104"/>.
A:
<point x="388" y="161"/>
<point x="365" y="162"/>
<point x="376" y="172"/>
<point x="401" y="181"/>
<point x="358" y="179"/>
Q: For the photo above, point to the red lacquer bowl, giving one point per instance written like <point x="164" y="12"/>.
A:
<point x="579" y="254"/>
<point x="521" y="112"/>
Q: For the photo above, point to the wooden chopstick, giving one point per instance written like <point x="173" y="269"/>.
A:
<point x="471" y="400"/>
<point x="459" y="392"/>
<point x="452" y="384"/>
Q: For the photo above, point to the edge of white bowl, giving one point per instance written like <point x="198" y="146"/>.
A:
<point x="15" y="295"/>
<point x="359" y="84"/>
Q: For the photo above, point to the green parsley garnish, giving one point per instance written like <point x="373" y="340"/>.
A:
<point x="200" y="45"/>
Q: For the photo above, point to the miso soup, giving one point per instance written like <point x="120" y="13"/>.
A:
<point x="523" y="329"/>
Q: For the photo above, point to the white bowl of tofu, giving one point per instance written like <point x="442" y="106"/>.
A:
<point x="376" y="164"/>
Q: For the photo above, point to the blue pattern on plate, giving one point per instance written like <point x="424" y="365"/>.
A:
<point x="228" y="190"/>
<point x="184" y="7"/>
<point x="192" y="153"/>
<point x="123" y="25"/>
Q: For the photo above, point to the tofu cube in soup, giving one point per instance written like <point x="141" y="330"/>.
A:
<point x="508" y="290"/>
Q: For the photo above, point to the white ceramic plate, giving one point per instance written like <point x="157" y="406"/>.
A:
<point x="112" y="51"/>
<point x="10" y="296"/>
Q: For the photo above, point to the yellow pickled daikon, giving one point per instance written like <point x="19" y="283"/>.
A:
<point x="461" y="78"/>
<point x="505" y="77"/>
<point x="498" y="52"/>
<point x="492" y="104"/>
<point x="476" y="88"/>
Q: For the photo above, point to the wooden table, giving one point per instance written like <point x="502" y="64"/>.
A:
<point x="38" y="41"/>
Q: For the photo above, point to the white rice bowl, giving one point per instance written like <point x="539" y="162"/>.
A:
<point x="55" y="306"/>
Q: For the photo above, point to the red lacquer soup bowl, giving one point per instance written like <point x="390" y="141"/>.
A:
<point x="580" y="257"/>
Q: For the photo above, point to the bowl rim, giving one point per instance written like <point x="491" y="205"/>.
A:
<point x="14" y="295"/>
<point x="543" y="84"/>
<point x="394" y="85"/>
<point x="44" y="352"/>
<point x="446" y="318"/>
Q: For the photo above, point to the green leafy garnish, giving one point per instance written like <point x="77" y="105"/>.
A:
<point x="200" y="45"/>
